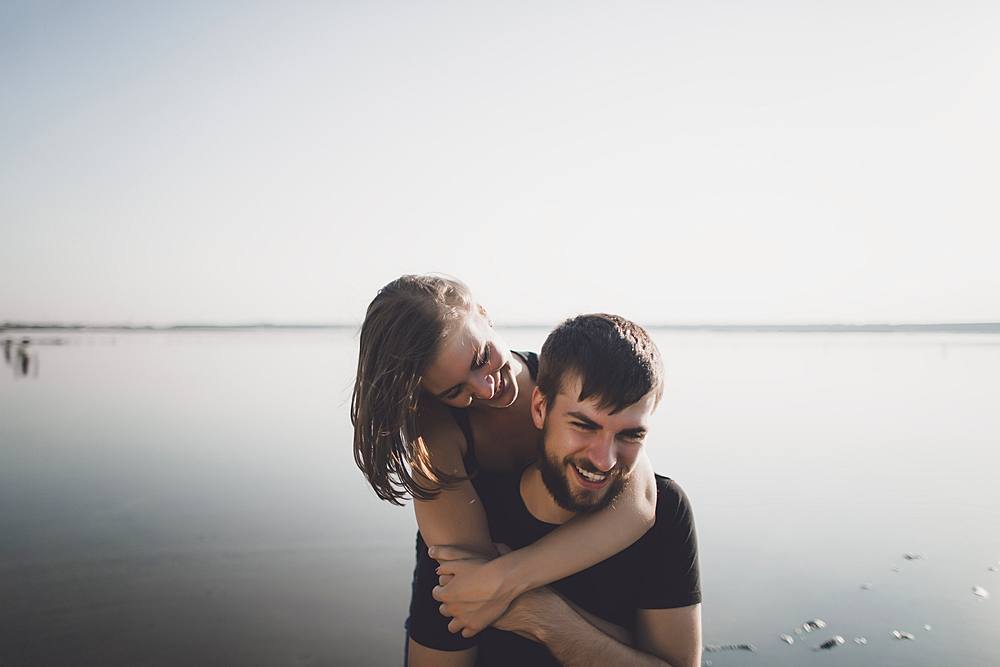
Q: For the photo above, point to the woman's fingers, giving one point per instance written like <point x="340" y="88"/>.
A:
<point x="451" y="567"/>
<point x="447" y="553"/>
<point x="459" y="565"/>
<point x="453" y="625"/>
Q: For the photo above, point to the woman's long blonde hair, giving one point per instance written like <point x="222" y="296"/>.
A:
<point x="400" y="338"/>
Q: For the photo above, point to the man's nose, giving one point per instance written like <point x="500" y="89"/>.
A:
<point x="604" y="453"/>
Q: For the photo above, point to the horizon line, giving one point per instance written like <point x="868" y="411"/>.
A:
<point x="935" y="327"/>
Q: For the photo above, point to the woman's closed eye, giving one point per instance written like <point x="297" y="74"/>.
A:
<point x="484" y="358"/>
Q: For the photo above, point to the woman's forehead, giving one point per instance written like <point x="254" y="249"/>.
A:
<point x="459" y="345"/>
<point x="462" y="340"/>
<point x="465" y="327"/>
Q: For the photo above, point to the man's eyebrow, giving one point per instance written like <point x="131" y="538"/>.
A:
<point x="638" y="431"/>
<point x="584" y="418"/>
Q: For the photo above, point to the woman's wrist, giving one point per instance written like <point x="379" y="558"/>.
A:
<point x="512" y="577"/>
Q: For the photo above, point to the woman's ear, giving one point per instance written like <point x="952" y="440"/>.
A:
<point x="482" y="311"/>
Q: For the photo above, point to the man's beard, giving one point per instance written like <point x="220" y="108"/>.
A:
<point x="555" y="477"/>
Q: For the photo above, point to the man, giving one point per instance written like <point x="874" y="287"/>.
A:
<point x="599" y="380"/>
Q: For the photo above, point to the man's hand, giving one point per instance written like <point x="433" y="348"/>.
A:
<point x="471" y="588"/>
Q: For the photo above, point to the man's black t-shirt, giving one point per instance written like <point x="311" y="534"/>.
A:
<point x="659" y="571"/>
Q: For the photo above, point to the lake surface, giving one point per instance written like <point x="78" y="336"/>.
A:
<point x="191" y="497"/>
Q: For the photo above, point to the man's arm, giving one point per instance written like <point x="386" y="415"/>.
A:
<point x="673" y="634"/>
<point x="669" y="637"/>
<point x="421" y="656"/>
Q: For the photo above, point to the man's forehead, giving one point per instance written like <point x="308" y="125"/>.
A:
<point x="568" y="399"/>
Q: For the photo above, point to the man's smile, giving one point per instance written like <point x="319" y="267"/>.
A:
<point x="594" y="477"/>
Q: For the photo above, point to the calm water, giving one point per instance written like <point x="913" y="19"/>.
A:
<point x="191" y="497"/>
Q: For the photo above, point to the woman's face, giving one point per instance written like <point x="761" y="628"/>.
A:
<point x="472" y="367"/>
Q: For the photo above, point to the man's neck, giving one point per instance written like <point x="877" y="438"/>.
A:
<point x="539" y="501"/>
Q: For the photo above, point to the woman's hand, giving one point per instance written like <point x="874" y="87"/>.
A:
<point x="471" y="588"/>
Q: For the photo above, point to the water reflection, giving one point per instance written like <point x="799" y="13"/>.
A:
<point x="21" y="354"/>
<point x="21" y="360"/>
<point x="194" y="495"/>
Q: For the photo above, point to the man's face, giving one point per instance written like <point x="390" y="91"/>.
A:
<point x="585" y="453"/>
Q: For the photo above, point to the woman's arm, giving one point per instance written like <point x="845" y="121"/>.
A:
<point x="455" y="516"/>
<point x="607" y="627"/>
<point x="480" y="592"/>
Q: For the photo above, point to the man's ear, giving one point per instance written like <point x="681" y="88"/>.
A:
<point x="537" y="408"/>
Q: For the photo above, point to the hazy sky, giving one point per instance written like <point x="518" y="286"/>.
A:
<point x="676" y="162"/>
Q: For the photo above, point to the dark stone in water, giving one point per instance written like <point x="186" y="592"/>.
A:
<point x="830" y="643"/>
<point x="731" y="647"/>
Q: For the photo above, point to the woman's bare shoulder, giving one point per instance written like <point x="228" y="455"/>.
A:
<point x="439" y="431"/>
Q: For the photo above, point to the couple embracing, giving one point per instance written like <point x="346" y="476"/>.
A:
<point x="545" y="537"/>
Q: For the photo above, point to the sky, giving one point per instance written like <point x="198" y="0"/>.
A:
<point x="748" y="162"/>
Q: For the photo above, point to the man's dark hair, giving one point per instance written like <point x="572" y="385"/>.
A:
<point x="615" y="359"/>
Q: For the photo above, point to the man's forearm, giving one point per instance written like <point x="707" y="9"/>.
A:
<point x="576" y="643"/>
<point x="545" y="617"/>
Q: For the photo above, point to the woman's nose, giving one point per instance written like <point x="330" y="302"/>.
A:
<point x="483" y="387"/>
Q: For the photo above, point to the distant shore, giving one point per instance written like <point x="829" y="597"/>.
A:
<point x="971" y="327"/>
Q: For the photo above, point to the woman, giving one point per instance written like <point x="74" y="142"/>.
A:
<point x="439" y="395"/>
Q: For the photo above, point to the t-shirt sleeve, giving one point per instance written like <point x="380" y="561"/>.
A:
<point x="426" y="625"/>
<point x="672" y="578"/>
